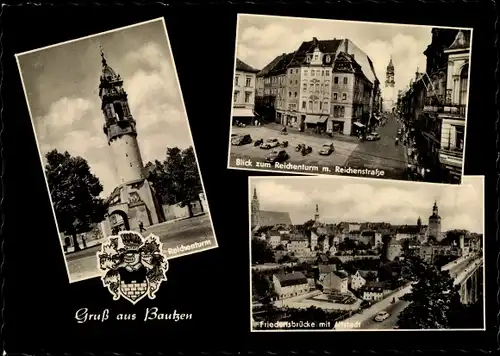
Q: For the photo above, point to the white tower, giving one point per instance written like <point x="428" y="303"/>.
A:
<point x="134" y="199"/>
<point x="389" y="93"/>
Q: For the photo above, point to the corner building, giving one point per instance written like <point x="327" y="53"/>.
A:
<point x="134" y="199"/>
<point x="324" y="86"/>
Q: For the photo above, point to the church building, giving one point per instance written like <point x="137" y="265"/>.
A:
<point x="389" y="96"/>
<point x="134" y="199"/>
<point x="264" y="218"/>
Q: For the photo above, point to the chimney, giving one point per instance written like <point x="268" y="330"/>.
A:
<point x="346" y="46"/>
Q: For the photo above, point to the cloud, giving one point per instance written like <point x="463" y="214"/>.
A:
<point x="262" y="38"/>
<point x="341" y="199"/>
<point x="75" y="124"/>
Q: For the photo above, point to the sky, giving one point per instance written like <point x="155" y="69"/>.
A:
<point x="261" y="38"/>
<point x="61" y="86"/>
<point x="373" y="200"/>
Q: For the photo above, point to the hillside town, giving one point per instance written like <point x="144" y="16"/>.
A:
<point x="323" y="105"/>
<point x="344" y="268"/>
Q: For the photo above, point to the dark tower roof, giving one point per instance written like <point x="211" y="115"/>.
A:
<point x="390" y="65"/>
<point x="462" y="41"/>
<point x="107" y="71"/>
<point x="435" y="214"/>
<point x="255" y="193"/>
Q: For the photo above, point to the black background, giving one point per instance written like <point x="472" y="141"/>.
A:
<point x="39" y="303"/>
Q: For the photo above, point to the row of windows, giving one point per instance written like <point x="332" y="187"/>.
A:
<point x="317" y="72"/>
<point x="315" y="105"/>
<point x="248" y="97"/>
<point x="335" y="96"/>
<point x="316" y="87"/>
<point x="248" y="81"/>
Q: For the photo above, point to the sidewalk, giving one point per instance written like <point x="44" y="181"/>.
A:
<point x="370" y="312"/>
<point x="336" y="136"/>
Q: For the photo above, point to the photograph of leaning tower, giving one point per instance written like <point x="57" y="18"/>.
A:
<point x="363" y="99"/>
<point x="115" y="143"/>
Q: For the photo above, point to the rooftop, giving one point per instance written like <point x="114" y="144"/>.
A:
<point x="242" y="66"/>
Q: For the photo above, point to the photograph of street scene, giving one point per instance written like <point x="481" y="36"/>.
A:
<point x="115" y="144"/>
<point x="336" y="253"/>
<point x="350" y="98"/>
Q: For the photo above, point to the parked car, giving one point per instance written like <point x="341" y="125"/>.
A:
<point x="277" y="156"/>
<point x="381" y="316"/>
<point x="241" y="140"/>
<point x="374" y="136"/>
<point x="270" y="143"/>
<point x="326" y="149"/>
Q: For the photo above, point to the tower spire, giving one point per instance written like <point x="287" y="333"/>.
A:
<point x="103" y="60"/>
<point x="255" y="193"/>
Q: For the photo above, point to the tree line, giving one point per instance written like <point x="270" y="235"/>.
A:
<point x="75" y="191"/>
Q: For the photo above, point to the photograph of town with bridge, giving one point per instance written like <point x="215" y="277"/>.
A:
<point x="115" y="144"/>
<point x="364" y="99"/>
<point x="336" y="253"/>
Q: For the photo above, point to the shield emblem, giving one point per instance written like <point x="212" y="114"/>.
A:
<point x="134" y="290"/>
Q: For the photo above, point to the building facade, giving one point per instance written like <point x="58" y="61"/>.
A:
<point x="435" y="105"/>
<point x="133" y="200"/>
<point x="323" y="86"/>
<point x="245" y="81"/>
<point x="289" y="285"/>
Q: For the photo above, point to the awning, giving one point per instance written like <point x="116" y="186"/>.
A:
<point x="322" y="119"/>
<point x="358" y="124"/>
<point x="311" y="119"/>
<point x="240" y="112"/>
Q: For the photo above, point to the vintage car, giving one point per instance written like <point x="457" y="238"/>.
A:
<point x="239" y="140"/>
<point x="270" y="143"/>
<point x="326" y="149"/>
<point x="277" y="156"/>
<point x="374" y="136"/>
<point x="381" y="316"/>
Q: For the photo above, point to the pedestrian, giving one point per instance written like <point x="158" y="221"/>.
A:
<point x="256" y="122"/>
<point x="141" y="226"/>
<point x="396" y="141"/>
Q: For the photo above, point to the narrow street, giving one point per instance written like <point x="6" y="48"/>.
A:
<point x="382" y="154"/>
<point x="391" y="321"/>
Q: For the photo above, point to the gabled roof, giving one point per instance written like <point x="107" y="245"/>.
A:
<point x="366" y="273"/>
<point x="374" y="287"/>
<point x="282" y="65"/>
<point x="242" y="66"/>
<point x="264" y="72"/>
<point x="368" y="233"/>
<point x="325" y="46"/>
<point x="341" y="274"/>
<point x="272" y="218"/>
<point x="325" y="269"/>
<point x="291" y="279"/>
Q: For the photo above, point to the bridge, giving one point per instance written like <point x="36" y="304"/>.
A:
<point x="465" y="272"/>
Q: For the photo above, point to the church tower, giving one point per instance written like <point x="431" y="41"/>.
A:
<point x="435" y="223"/>
<point x="316" y="214"/>
<point x="119" y="126"/>
<point x="255" y="209"/>
<point x="134" y="199"/>
<point x="389" y="89"/>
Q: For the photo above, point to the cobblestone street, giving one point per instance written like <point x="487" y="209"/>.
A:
<point x="381" y="154"/>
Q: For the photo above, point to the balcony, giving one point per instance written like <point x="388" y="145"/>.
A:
<point x="438" y="104"/>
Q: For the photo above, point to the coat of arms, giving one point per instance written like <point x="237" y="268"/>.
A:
<point x="134" y="267"/>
